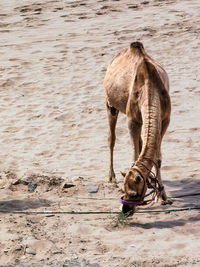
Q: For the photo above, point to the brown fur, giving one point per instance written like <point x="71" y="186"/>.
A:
<point x="138" y="86"/>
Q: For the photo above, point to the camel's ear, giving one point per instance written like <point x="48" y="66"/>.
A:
<point x="123" y="174"/>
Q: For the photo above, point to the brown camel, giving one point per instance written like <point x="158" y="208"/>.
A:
<point x="138" y="86"/>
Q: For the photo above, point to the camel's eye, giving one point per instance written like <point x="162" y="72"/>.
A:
<point x="138" y="179"/>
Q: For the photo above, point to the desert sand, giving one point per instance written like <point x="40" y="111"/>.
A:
<point x="53" y="134"/>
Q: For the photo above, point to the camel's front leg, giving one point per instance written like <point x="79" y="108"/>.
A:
<point x="135" y="135"/>
<point x="163" y="198"/>
<point x="112" y="120"/>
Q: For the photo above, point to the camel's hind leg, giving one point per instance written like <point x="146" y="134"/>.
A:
<point x="164" y="199"/>
<point x="112" y="120"/>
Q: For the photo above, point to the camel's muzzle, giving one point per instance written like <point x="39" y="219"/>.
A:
<point x="128" y="206"/>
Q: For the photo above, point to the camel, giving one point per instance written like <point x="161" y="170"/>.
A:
<point x="138" y="86"/>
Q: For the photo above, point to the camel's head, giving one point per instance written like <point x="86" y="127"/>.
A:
<point x="134" y="190"/>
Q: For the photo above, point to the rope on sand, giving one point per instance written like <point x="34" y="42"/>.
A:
<point x="48" y="212"/>
<point x="112" y="198"/>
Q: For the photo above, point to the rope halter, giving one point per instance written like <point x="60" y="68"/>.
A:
<point x="151" y="182"/>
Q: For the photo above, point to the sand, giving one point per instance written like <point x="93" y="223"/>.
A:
<point x="53" y="133"/>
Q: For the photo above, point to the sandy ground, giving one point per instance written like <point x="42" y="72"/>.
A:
<point x="53" y="133"/>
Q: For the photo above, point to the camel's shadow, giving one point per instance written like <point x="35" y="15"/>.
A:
<point x="165" y="223"/>
<point x="185" y="193"/>
<point x="9" y="206"/>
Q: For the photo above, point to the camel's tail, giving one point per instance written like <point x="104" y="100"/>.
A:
<point x="137" y="47"/>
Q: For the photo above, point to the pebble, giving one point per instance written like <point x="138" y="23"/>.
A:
<point x="92" y="188"/>
<point x="67" y="185"/>
<point x="30" y="251"/>
<point x="26" y="180"/>
<point x="75" y="262"/>
<point x="32" y="187"/>
<point x="16" y="182"/>
<point x="18" y="248"/>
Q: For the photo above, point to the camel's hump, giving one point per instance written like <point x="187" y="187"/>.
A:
<point x="137" y="46"/>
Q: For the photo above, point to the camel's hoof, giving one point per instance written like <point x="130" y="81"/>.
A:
<point x="168" y="201"/>
<point x="111" y="180"/>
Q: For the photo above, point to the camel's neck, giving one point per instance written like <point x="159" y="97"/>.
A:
<point x="151" y="117"/>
